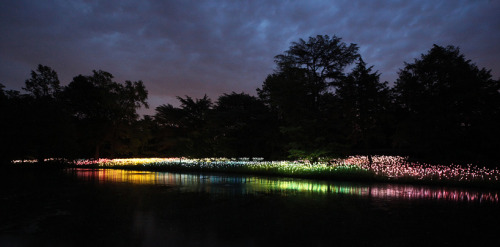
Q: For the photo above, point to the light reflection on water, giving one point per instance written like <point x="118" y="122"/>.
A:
<point x="253" y="185"/>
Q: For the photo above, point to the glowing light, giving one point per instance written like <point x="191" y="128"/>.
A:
<point x="255" y="185"/>
<point x="383" y="168"/>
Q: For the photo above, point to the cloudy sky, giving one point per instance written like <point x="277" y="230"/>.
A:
<point x="212" y="47"/>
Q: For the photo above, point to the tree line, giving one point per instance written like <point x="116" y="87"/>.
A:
<point x="322" y="100"/>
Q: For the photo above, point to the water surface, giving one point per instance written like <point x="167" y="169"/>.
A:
<point x="84" y="207"/>
<point x="233" y="184"/>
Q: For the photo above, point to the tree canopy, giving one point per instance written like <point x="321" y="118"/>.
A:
<point x="241" y="126"/>
<point x="450" y="107"/>
<point x="104" y="109"/>
<point x="298" y="92"/>
<point x="183" y="131"/>
<point x="364" y="104"/>
<point x="323" y="60"/>
<point x="44" y="82"/>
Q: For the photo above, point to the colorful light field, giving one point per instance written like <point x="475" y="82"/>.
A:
<point x="382" y="168"/>
<point x="385" y="168"/>
<point x="275" y="168"/>
<point x="396" y="167"/>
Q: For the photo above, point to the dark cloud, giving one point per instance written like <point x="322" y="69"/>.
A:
<point x="214" y="47"/>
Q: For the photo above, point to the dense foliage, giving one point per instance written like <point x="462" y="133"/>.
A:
<point x="441" y="108"/>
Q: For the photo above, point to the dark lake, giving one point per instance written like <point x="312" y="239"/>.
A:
<point x="83" y="207"/>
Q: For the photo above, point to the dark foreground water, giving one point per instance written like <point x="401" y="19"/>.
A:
<point x="82" y="207"/>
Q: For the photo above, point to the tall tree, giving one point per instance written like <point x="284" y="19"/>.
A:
<point x="48" y="127"/>
<point x="298" y="91"/>
<point x="363" y="103"/>
<point x="450" y="108"/>
<point x="286" y="93"/>
<point x="104" y="110"/>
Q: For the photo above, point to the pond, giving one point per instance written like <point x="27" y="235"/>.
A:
<point x="88" y="207"/>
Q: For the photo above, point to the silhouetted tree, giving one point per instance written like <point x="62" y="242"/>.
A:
<point x="144" y="130"/>
<point x="16" y="126"/>
<point x="241" y="126"/>
<point x="184" y="131"/>
<point x="363" y="103"/>
<point x="47" y="123"/>
<point x="286" y="94"/>
<point x="167" y="130"/>
<point x="449" y="108"/>
<point x="104" y="111"/>
<point x="322" y="58"/>
<point x="298" y="92"/>
<point x="44" y="83"/>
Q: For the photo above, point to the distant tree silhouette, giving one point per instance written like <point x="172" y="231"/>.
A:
<point x="322" y="58"/>
<point x="449" y="107"/>
<point x="44" y="83"/>
<point x="241" y="126"/>
<point x="298" y="91"/>
<point x="16" y="126"/>
<point x="184" y="131"/>
<point x="141" y="142"/>
<point x="363" y="103"/>
<point x="286" y="94"/>
<point x="46" y="122"/>
<point x="105" y="111"/>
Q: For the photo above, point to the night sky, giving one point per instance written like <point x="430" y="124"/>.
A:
<point x="195" y="47"/>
